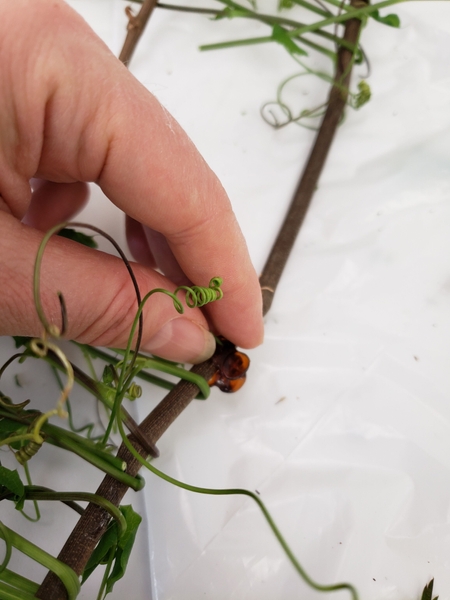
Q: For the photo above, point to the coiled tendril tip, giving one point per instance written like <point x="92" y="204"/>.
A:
<point x="197" y="296"/>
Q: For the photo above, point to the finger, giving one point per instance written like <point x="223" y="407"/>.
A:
<point x="173" y="192"/>
<point x="109" y="129"/>
<point x="150" y="248"/>
<point x="164" y="257"/>
<point x="53" y="203"/>
<point x="137" y="243"/>
<point x="100" y="298"/>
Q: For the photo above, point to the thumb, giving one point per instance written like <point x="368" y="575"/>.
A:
<point x="100" y="298"/>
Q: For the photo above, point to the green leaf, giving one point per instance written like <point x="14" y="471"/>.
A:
<point x="77" y="236"/>
<point x="20" y="340"/>
<point x="100" y="554"/>
<point x="124" y="547"/>
<point x="363" y="95"/>
<point x="390" y="20"/>
<point x="285" y="4"/>
<point x="109" y="375"/>
<point x="8" y="426"/>
<point x="10" y="481"/>
<point x="427" y="593"/>
<point x="230" y="13"/>
<point x="280" y="35"/>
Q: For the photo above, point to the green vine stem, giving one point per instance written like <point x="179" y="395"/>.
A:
<point x="37" y="493"/>
<point x="64" y="572"/>
<point x="237" y="10"/>
<point x="195" y="296"/>
<point x="40" y="494"/>
<point x="92" y="525"/>
<point x="299" y="30"/>
<point x="107" y="463"/>
<point x="77" y="444"/>
<point x="242" y="492"/>
<point x="50" y="329"/>
<point x="156" y="363"/>
<point x="35" y="504"/>
<point x="113" y="360"/>
<point x="109" y="564"/>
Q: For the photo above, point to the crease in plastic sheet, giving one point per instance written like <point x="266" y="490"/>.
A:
<point x="343" y="425"/>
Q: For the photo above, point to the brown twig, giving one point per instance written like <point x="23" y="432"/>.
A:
<point x="136" y="26"/>
<point x="337" y="101"/>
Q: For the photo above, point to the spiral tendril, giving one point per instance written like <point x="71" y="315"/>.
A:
<point x="197" y="296"/>
<point x="134" y="391"/>
<point x="28" y="451"/>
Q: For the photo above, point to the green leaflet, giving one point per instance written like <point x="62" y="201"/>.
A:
<point x="20" y="340"/>
<point x="280" y="35"/>
<point x="230" y="13"/>
<point x="77" y="236"/>
<point x="390" y="20"/>
<point x="7" y="426"/>
<point x="124" y="547"/>
<point x="285" y="4"/>
<point x="121" y="547"/>
<point x="427" y="593"/>
<point x="10" y="481"/>
<point x="100" y="554"/>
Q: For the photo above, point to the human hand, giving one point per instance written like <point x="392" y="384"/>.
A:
<point x="71" y="113"/>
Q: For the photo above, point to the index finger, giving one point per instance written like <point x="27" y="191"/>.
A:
<point x="84" y="117"/>
<point x="155" y="174"/>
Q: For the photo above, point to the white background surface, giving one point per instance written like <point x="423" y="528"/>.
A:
<point x="344" y="423"/>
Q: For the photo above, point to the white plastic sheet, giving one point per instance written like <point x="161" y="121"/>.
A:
<point x="344" y="424"/>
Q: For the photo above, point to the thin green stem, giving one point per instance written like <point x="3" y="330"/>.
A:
<point x="4" y="534"/>
<point x="171" y="369"/>
<point x="356" y="13"/>
<point x="17" y="438"/>
<point x="52" y="330"/>
<point x="35" y="504"/>
<point x="127" y="363"/>
<point x="87" y="358"/>
<point x="101" y="592"/>
<point x="312" y="7"/>
<point x="109" y="358"/>
<point x="10" y="360"/>
<point x="38" y="493"/>
<point x="275" y="20"/>
<point x="106" y="463"/>
<point x="239" y="491"/>
<point x="265" y="40"/>
<point x="270" y="20"/>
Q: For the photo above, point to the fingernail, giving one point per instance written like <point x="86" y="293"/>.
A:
<point x="182" y="340"/>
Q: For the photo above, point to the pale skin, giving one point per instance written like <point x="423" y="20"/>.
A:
<point x="71" y="113"/>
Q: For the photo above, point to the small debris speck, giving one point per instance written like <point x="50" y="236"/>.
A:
<point x="280" y="400"/>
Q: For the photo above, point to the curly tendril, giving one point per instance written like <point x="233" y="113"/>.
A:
<point x="197" y="296"/>
<point x="31" y="449"/>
